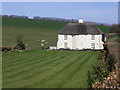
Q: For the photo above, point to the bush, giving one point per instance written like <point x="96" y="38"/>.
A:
<point x="90" y="79"/>
<point x="20" y="46"/>
<point x="100" y="71"/>
<point x="110" y="63"/>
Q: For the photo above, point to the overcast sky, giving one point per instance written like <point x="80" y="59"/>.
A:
<point x="101" y="12"/>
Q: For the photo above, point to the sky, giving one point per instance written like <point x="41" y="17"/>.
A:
<point x="100" y="12"/>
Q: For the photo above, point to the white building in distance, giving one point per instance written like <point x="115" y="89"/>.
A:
<point x="80" y="36"/>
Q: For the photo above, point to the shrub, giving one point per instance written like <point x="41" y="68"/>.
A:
<point x="20" y="46"/>
<point x="110" y="63"/>
<point x="100" y="71"/>
<point x="90" y="79"/>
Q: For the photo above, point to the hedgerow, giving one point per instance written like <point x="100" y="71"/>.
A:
<point x="102" y="70"/>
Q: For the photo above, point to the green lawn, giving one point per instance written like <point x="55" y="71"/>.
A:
<point x="36" y="68"/>
<point x="47" y="69"/>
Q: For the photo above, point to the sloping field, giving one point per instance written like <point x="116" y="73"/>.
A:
<point x="35" y="68"/>
<point x="31" y="37"/>
<point x="103" y="28"/>
<point x="32" y="23"/>
<point x="47" y="69"/>
<point x="33" y="31"/>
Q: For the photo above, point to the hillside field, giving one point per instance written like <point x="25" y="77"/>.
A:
<point x="33" y="31"/>
<point x="37" y="68"/>
<point x="47" y="69"/>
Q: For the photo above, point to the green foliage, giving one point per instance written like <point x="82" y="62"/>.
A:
<point x="110" y="62"/>
<point x="90" y="80"/>
<point x="100" y="71"/>
<point x="109" y="59"/>
<point x="20" y="45"/>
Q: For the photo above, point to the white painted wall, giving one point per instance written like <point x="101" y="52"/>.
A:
<point x="61" y="41"/>
<point x="80" y="41"/>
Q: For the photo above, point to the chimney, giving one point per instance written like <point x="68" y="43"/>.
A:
<point x="80" y="21"/>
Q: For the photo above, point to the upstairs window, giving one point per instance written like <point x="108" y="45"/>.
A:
<point x="93" y="37"/>
<point x="65" y="37"/>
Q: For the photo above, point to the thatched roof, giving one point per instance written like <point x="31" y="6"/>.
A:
<point x="79" y="29"/>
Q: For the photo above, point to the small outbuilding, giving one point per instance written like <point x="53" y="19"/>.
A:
<point x="80" y="36"/>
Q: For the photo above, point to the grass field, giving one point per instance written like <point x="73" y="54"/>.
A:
<point x="32" y="37"/>
<point x="47" y="69"/>
<point x="33" y="31"/>
<point x="32" y="23"/>
<point x="105" y="29"/>
<point x="36" y="68"/>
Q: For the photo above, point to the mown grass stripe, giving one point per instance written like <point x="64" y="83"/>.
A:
<point x="80" y="66"/>
<point x="70" y="71"/>
<point x="38" y="75"/>
<point x="21" y="59"/>
<point x="11" y="57"/>
<point x="69" y="62"/>
<point x="37" y="71"/>
<point x="55" y="64"/>
<point x="35" y="65"/>
<point x="19" y="79"/>
<point x="30" y="60"/>
<point x="20" y="70"/>
<point x="23" y="63"/>
<point x="76" y="79"/>
<point x="33" y="77"/>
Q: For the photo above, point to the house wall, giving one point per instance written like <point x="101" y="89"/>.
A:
<point x="80" y="42"/>
<point x="61" y="41"/>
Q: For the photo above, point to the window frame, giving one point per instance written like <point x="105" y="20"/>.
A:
<point x="65" y="37"/>
<point x="93" y="45"/>
<point x="93" y="37"/>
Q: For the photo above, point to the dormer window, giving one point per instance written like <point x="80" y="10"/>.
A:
<point x="93" y="37"/>
<point x="65" y="37"/>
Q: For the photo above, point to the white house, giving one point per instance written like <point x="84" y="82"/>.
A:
<point x="79" y="36"/>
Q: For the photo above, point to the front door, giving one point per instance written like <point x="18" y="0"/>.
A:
<point x="65" y="45"/>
